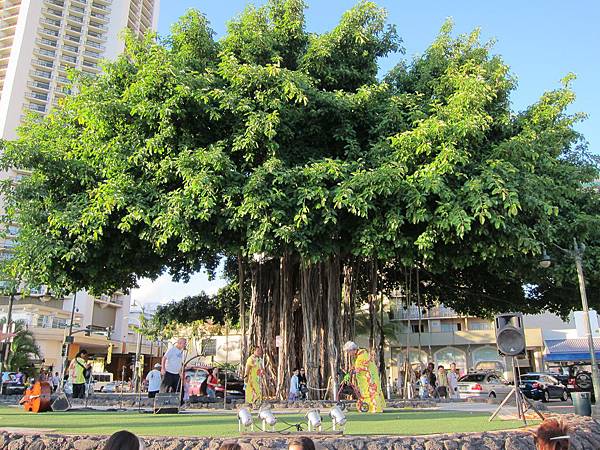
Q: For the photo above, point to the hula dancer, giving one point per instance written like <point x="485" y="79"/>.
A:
<point x="253" y="375"/>
<point x="367" y="377"/>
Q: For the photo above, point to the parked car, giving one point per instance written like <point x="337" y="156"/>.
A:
<point x="581" y="381"/>
<point x="101" y="380"/>
<point x="483" y="385"/>
<point x="542" y="386"/>
<point x="11" y="386"/>
<point x="115" y="386"/>
<point x="199" y="375"/>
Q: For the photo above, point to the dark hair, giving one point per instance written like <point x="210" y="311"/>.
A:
<point x="302" y="442"/>
<point x="122" y="440"/>
<point x="547" y="433"/>
<point x="81" y="352"/>
<point x="230" y="446"/>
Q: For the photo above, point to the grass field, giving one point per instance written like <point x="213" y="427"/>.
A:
<point x="406" y="422"/>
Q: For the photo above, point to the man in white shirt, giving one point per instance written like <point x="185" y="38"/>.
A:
<point x="154" y="379"/>
<point x="172" y="363"/>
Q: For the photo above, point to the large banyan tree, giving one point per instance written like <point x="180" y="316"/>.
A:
<point x="289" y="151"/>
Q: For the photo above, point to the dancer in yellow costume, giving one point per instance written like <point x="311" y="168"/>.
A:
<point x="367" y="377"/>
<point x="253" y="375"/>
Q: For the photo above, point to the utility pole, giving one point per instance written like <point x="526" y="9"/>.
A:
<point x="578" y="254"/>
<point x="6" y="348"/>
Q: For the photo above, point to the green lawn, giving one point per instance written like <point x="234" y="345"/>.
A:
<point x="409" y="422"/>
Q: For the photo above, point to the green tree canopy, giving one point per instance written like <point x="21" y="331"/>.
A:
<point x="276" y="140"/>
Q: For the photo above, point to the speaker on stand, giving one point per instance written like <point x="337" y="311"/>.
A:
<point x="510" y="340"/>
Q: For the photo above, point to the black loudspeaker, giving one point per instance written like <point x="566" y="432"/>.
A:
<point x="61" y="403"/>
<point x="166" y="403"/>
<point x="510" y="335"/>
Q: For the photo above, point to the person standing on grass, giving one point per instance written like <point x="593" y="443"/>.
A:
<point x="55" y="381"/>
<point x="442" y="382"/>
<point x="367" y="377"/>
<point x="172" y="363"/>
<point x="78" y="369"/>
<point x="294" y="386"/>
<point x="212" y="382"/>
<point x="303" y="384"/>
<point x="453" y="381"/>
<point x="253" y="375"/>
<point x="154" y="379"/>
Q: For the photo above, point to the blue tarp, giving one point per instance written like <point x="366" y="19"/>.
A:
<point x="576" y="349"/>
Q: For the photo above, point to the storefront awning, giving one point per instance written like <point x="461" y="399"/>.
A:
<point x="565" y="350"/>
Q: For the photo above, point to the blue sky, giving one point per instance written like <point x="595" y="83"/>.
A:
<point x="541" y="40"/>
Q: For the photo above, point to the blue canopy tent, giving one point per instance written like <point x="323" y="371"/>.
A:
<point x="564" y="350"/>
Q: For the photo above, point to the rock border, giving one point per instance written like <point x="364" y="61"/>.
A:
<point x="585" y="436"/>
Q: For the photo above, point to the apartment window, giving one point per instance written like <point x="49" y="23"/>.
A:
<point x="78" y="9"/>
<point x="450" y="327"/>
<point x="49" y="42"/>
<point x="69" y="58"/>
<point x="72" y="38"/>
<point x="71" y="48"/>
<point x="39" y="96"/>
<point x="50" y="32"/>
<point x="43" y="51"/>
<point x="480" y="326"/>
<point x="415" y="328"/>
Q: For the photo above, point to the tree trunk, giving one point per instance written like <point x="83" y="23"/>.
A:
<point x="333" y="323"/>
<point x="372" y="312"/>
<point x="244" y="349"/>
<point x="264" y="324"/>
<point x="310" y="279"/>
<point x="287" y="359"/>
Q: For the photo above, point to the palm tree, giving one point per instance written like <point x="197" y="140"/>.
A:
<point x="23" y="347"/>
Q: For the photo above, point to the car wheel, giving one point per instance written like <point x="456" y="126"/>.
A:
<point x="492" y="395"/>
<point x="545" y="397"/>
<point x="565" y="396"/>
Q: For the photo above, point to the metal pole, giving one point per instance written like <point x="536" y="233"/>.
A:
<point x="6" y="348"/>
<point x="138" y="349"/>
<point x="68" y="342"/>
<point x="578" y="252"/>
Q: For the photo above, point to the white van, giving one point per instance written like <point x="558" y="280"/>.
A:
<point x="101" y="379"/>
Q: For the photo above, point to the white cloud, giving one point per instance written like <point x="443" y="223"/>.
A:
<point x="164" y="289"/>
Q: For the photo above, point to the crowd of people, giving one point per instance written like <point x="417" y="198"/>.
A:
<point x="440" y="383"/>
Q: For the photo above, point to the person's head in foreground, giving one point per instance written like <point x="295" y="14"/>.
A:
<point x="351" y="348"/>
<point x="301" y="443"/>
<point x="552" y="434"/>
<point x="230" y="446"/>
<point x="124" y="440"/>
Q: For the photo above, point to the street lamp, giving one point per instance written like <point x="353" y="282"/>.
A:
<point x="577" y="255"/>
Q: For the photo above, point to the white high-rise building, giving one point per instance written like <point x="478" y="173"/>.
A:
<point x="41" y="39"/>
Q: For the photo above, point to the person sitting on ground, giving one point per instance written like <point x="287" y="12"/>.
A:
<point x="552" y="434"/>
<point x="301" y="443"/>
<point x="230" y="446"/>
<point x="124" y="440"/>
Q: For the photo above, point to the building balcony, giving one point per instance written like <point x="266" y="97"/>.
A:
<point x="113" y="300"/>
<point x="44" y="86"/>
<point x="92" y="55"/>
<point x="59" y="3"/>
<point x="101" y="8"/>
<point x="51" y="22"/>
<point x="95" y="45"/>
<point x="79" y="2"/>
<point x="40" y="97"/>
<point x="77" y="9"/>
<point x="41" y="74"/>
<point x="36" y="108"/>
<point x="45" y="53"/>
<point x="43" y="64"/>
<point x="47" y="43"/>
<point x="100" y="37"/>
<point x="413" y="313"/>
<point x="74" y="19"/>
<point x="52" y="13"/>
<point x="97" y="26"/>
<point x="73" y="29"/>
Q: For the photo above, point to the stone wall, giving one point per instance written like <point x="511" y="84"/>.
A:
<point x="585" y="436"/>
